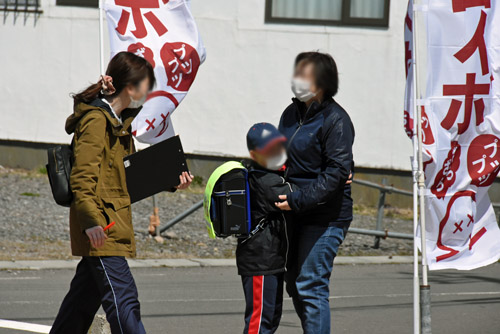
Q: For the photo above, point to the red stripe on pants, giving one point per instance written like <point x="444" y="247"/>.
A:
<point x="258" y="285"/>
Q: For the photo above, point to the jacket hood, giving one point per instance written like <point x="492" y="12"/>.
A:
<point x="81" y="109"/>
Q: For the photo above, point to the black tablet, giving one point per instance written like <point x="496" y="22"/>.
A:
<point x="154" y="169"/>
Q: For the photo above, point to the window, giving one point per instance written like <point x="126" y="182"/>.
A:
<point x="21" y="6"/>
<point x="78" y="3"/>
<point x="373" y="13"/>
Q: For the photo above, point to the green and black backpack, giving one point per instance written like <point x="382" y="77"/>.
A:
<point x="227" y="201"/>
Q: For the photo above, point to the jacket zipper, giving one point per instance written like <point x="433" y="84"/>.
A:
<point x="295" y="133"/>
<point x="286" y="230"/>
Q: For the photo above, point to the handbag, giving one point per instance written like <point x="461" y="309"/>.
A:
<point x="59" y="165"/>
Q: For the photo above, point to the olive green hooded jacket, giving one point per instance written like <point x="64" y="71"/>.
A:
<point x="98" y="179"/>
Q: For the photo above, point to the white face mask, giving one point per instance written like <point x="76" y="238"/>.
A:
<point x="301" y="89"/>
<point x="276" y="162"/>
<point x="137" y="103"/>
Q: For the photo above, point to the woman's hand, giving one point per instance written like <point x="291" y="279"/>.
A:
<point x="96" y="236"/>
<point x="283" y="206"/>
<point x="185" y="178"/>
<point x="349" y="180"/>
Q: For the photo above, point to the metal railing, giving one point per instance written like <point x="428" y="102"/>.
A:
<point x="379" y="233"/>
<point x="183" y="215"/>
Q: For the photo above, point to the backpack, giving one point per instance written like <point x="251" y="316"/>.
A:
<point x="226" y="203"/>
<point x="59" y="170"/>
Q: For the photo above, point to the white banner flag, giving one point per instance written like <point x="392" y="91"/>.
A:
<point x="163" y="32"/>
<point x="461" y="129"/>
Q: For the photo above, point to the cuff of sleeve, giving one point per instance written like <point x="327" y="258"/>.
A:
<point x="292" y="199"/>
<point x="86" y="225"/>
<point x="89" y="222"/>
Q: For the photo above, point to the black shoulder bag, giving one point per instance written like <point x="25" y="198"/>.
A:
<point x="59" y="170"/>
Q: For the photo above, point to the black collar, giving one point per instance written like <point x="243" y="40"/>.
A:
<point x="103" y="105"/>
<point x="313" y="109"/>
<point x="252" y="166"/>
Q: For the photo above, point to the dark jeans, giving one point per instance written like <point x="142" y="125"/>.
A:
<point x="105" y="281"/>
<point x="264" y="303"/>
<point x="308" y="277"/>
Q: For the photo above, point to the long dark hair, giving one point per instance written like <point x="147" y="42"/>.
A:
<point x="325" y="71"/>
<point x="126" y="69"/>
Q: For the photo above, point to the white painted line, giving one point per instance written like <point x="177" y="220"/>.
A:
<point x="212" y="300"/>
<point x="28" y="302"/>
<point x="24" y="326"/>
<point x="395" y="295"/>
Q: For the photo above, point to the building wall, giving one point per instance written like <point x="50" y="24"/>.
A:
<point x="245" y="79"/>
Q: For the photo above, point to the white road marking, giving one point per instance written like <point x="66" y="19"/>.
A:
<point x="24" y="326"/>
<point x="211" y="300"/>
<point x="14" y="278"/>
<point x="28" y="302"/>
<point x="396" y="295"/>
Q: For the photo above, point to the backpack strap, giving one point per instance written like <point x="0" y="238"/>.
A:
<point x="260" y="226"/>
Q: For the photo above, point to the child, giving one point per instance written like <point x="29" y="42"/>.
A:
<point x="262" y="257"/>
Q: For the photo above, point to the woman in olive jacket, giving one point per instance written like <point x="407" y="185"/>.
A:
<point x="101" y="123"/>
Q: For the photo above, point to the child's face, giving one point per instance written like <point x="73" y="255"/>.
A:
<point x="263" y="157"/>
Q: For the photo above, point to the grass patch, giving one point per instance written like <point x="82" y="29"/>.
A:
<point x="30" y="194"/>
<point x="42" y="170"/>
<point x="389" y="212"/>
<point x="399" y="213"/>
<point x="360" y="209"/>
<point x="198" y="181"/>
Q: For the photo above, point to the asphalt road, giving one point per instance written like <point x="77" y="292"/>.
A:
<point x="366" y="299"/>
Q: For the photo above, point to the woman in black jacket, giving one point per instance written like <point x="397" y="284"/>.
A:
<point x="320" y="138"/>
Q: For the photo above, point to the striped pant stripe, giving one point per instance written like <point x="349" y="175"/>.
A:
<point x="258" y="290"/>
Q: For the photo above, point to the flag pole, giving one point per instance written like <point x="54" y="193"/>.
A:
<point x="414" y="168"/>
<point x="425" y="300"/>
<point x="416" y="278"/>
<point x="101" y="39"/>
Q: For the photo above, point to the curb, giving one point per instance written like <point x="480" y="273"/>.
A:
<point x="190" y="263"/>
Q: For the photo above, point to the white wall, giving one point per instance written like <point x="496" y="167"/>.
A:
<point x="245" y="79"/>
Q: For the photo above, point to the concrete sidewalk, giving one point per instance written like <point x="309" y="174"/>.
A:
<point x="184" y="263"/>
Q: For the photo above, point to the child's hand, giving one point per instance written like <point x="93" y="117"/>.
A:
<point x="283" y="206"/>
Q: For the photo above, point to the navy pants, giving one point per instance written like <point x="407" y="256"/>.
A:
<point x="309" y="274"/>
<point x="264" y="303"/>
<point x="105" y="281"/>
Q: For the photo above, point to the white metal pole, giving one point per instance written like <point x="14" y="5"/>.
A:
<point x="418" y="121"/>
<point x="416" y="277"/>
<point x="101" y="38"/>
<point x="425" y="314"/>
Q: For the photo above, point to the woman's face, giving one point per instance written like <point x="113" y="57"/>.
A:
<point x="305" y="71"/>
<point x="139" y="91"/>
